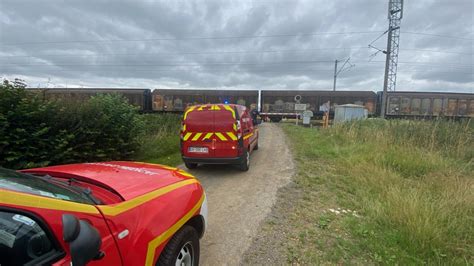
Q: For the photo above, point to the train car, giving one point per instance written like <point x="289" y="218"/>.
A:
<point x="277" y="104"/>
<point x="138" y="97"/>
<point x="176" y="100"/>
<point x="429" y="104"/>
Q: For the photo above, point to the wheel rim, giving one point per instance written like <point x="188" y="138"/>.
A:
<point x="248" y="158"/>
<point x="185" y="255"/>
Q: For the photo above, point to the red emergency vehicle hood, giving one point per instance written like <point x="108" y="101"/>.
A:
<point x="129" y="179"/>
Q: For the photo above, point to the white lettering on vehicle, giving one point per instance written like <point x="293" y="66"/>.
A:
<point x="128" y="168"/>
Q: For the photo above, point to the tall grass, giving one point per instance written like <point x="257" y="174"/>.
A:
<point x="160" y="142"/>
<point x="413" y="182"/>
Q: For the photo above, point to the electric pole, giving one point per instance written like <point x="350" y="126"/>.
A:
<point x="336" y="72"/>
<point x="395" y="14"/>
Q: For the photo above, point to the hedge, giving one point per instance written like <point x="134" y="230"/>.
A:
<point x="35" y="133"/>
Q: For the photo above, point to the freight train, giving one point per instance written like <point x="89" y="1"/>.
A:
<point x="278" y="104"/>
<point x="178" y="100"/>
<point x="429" y="104"/>
<point x="136" y="96"/>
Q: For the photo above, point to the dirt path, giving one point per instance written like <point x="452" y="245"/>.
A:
<point x="239" y="201"/>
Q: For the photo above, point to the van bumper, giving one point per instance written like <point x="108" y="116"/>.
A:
<point x="231" y="160"/>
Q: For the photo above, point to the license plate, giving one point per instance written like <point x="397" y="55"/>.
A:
<point x="198" y="149"/>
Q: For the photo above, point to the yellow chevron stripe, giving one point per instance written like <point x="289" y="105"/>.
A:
<point x="228" y="108"/>
<point x="232" y="135"/>
<point x="188" y="111"/>
<point x="235" y="127"/>
<point x="221" y="136"/>
<point x="215" y="107"/>
<point x="202" y="107"/>
<point x="208" y="136"/>
<point x="186" y="137"/>
<point x="196" y="137"/>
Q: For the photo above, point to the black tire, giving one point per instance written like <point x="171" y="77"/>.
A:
<point x="187" y="235"/>
<point x="245" y="164"/>
<point x="191" y="165"/>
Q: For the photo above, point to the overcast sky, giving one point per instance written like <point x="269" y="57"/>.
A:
<point x="234" y="44"/>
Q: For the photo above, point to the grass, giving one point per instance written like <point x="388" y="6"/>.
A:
<point x="160" y="142"/>
<point x="404" y="189"/>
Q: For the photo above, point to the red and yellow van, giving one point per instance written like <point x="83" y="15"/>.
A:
<point x="107" y="213"/>
<point x="218" y="134"/>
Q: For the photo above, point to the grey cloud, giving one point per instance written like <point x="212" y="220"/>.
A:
<point x="232" y="62"/>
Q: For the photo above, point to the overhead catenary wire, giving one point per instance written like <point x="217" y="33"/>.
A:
<point x="228" y="37"/>
<point x="99" y="54"/>
<point x="191" y="38"/>
<point x="193" y="53"/>
<point x="438" y="35"/>
<point x="449" y="65"/>
<point x="252" y="70"/>
<point x="197" y="64"/>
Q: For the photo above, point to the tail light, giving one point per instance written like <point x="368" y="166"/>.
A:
<point x="237" y="128"/>
<point x="183" y="129"/>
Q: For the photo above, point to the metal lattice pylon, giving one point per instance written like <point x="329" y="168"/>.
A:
<point x="395" y="14"/>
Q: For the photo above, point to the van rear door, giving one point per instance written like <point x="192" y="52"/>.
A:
<point x="197" y="132"/>
<point x="225" y="128"/>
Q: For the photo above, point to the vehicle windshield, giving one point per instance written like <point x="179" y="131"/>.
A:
<point x="26" y="183"/>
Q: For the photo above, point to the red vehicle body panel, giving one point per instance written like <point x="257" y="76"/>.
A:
<point x="153" y="203"/>
<point x="224" y="129"/>
<point x="129" y="179"/>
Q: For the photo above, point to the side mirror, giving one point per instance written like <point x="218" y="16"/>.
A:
<point x="84" y="240"/>
<point x="70" y="227"/>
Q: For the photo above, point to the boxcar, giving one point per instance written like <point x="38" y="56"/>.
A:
<point x="282" y="102"/>
<point x="138" y="97"/>
<point x="177" y="100"/>
<point x="429" y="104"/>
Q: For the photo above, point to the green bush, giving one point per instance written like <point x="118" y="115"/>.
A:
<point x="105" y="128"/>
<point x="160" y="142"/>
<point x="36" y="133"/>
<point x="28" y="135"/>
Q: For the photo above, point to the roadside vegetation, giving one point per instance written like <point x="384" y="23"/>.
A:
<point x="160" y="141"/>
<point x="380" y="192"/>
<point x="35" y="132"/>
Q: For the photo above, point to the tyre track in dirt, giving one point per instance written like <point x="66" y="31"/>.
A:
<point x="239" y="201"/>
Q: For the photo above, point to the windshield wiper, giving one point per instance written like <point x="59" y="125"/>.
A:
<point x="84" y="192"/>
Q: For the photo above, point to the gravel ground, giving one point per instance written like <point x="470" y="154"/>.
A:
<point x="239" y="201"/>
<point x="267" y="247"/>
